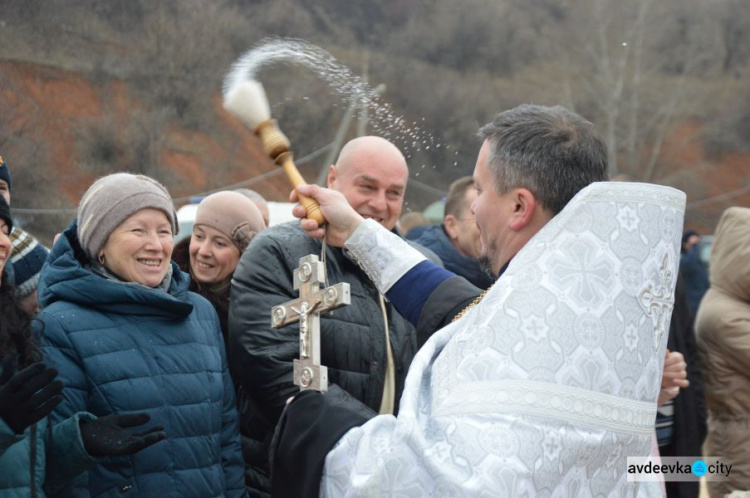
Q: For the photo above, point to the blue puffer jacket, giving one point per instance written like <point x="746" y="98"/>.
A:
<point x="42" y="459"/>
<point x="124" y="348"/>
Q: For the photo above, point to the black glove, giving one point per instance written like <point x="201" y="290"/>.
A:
<point x="108" y="436"/>
<point x="27" y="396"/>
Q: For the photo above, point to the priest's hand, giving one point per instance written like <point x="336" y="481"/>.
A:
<point x="109" y="436"/>
<point x="27" y="396"/>
<point x="341" y="219"/>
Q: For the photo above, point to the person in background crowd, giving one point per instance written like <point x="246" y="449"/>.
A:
<point x="693" y="269"/>
<point x="367" y="346"/>
<point x="28" y="254"/>
<point x="126" y="335"/>
<point x="413" y="224"/>
<point x="36" y="458"/>
<point x="723" y="333"/>
<point x="681" y="416"/>
<point x="225" y="223"/>
<point x="456" y="240"/>
<point x="259" y="200"/>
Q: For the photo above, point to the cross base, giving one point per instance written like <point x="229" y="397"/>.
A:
<point x="308" y="375"/>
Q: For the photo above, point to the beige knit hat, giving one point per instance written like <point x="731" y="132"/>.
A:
<point x="113" y="199"/>
<point x="232" y="214"/>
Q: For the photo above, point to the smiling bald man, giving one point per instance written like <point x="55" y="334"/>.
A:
<point x="366" y="346"/>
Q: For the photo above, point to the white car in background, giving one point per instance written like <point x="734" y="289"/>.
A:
<point x="278" y="212"/>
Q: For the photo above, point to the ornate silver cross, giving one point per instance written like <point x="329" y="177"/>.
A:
<point x="312" y="301"/>
<point x="658" y="302"/>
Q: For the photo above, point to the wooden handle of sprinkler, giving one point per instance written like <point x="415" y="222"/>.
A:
<point x="277" y="147"/>
<point x="311" y="205"/>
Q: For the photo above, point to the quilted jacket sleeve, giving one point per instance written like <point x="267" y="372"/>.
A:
<point x="66" y="455"/>
<point x="14" y="460"/>
<point x="7" y="437"/>
<point x="59" y="352"/>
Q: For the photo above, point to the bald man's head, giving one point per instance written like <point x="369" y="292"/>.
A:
<point x="380" y="149"/>
<point x="372" y="174"/>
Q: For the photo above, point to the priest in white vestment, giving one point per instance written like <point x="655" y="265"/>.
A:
<point x="547" y="384"/>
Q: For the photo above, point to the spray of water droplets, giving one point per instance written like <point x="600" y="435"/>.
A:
<point x="409" y="138"/>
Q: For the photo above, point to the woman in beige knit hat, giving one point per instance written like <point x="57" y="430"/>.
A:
<point x="126" y="335"/>
<point x="225" y="223"/>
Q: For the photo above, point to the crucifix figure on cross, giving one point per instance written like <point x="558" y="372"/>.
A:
<point x="307" y="308"/>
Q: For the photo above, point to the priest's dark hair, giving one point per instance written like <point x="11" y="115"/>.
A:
<point x="550" y="151"/>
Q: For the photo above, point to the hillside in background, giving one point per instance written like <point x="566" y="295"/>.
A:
<point x="89" y="87"/>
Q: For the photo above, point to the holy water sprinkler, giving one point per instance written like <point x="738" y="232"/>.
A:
<point x="248" y="102"/>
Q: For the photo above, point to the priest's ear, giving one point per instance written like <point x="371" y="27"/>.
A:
<point x="526" y="209"/>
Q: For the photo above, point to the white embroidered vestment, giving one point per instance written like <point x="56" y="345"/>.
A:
<point x="551" y="381"/>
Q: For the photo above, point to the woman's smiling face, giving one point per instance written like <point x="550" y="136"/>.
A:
<point x="213" y="256"/>
<point x="140" y="249"/>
